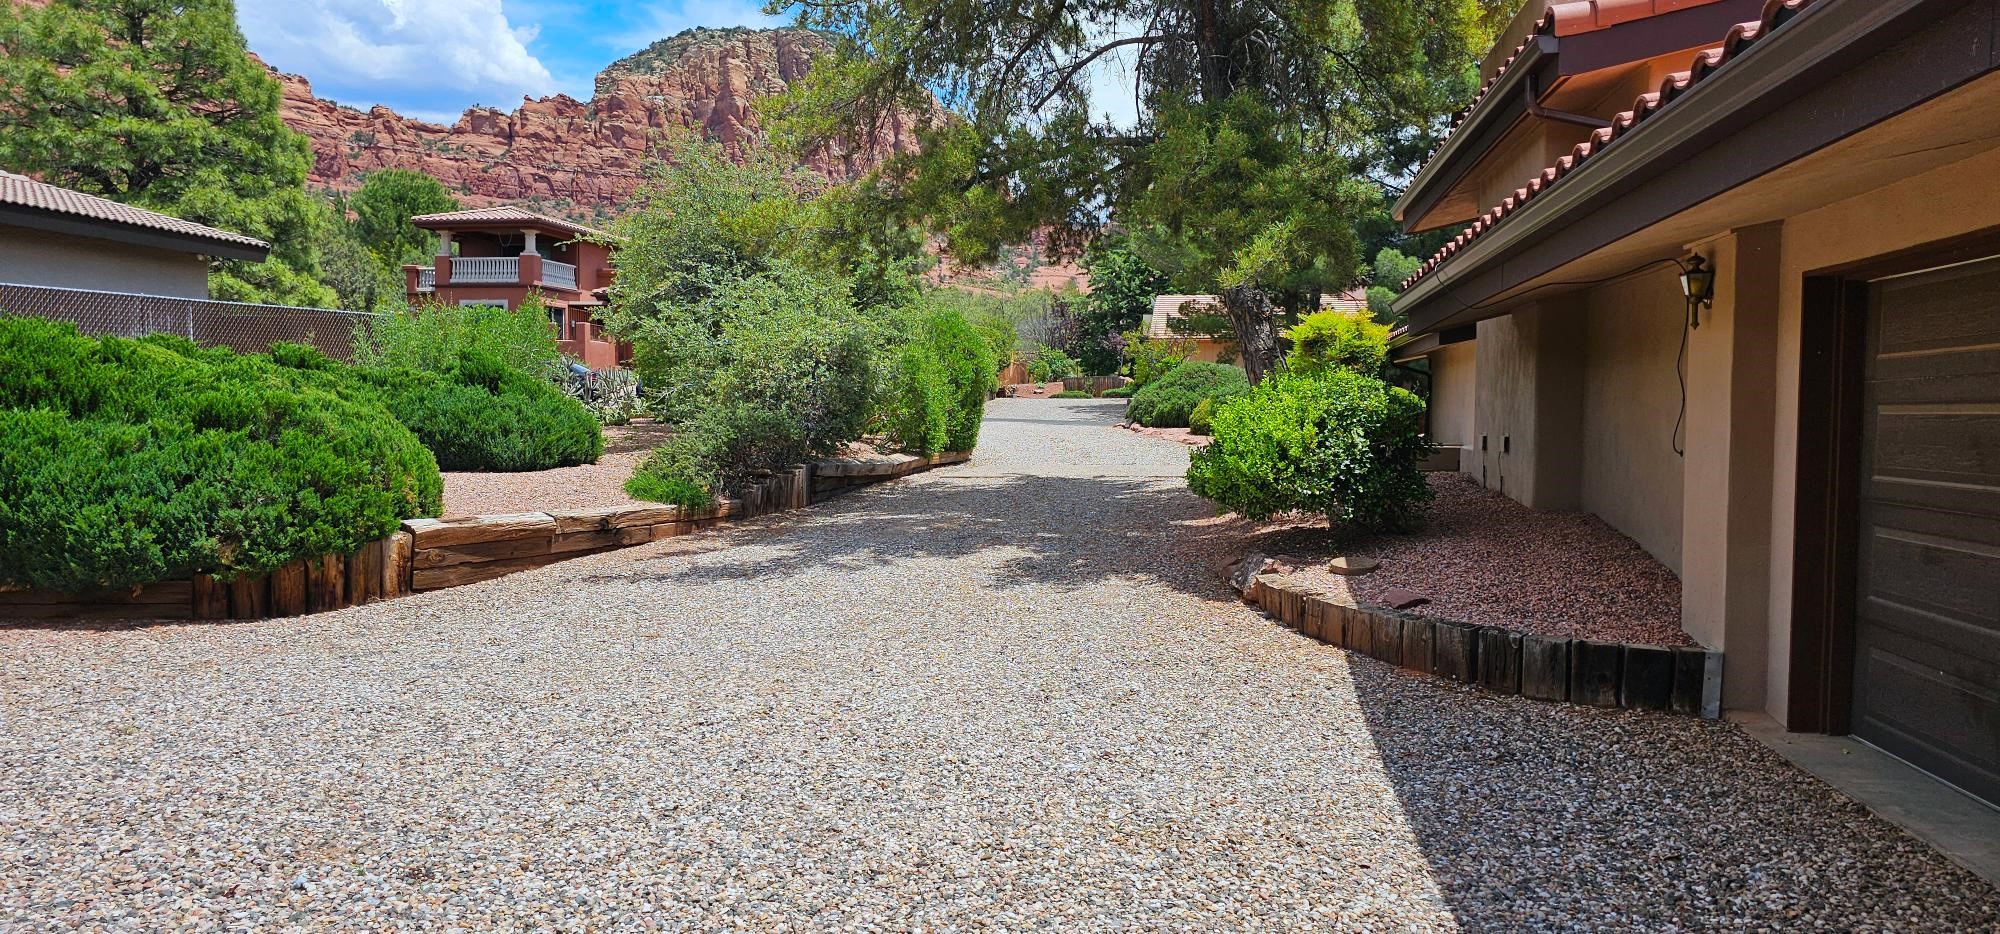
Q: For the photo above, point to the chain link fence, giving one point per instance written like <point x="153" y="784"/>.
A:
<point x="240" y="327"/>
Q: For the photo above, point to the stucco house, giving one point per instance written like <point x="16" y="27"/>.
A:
<point x="1805" y="423"/>
<point x="501" y="255"/>
<point x="1161" y="322"/>
<point x="52" y="236"/>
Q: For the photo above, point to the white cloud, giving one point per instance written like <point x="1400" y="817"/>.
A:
<point x="466" y="47"/>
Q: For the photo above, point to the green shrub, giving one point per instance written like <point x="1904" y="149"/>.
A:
<point x="818" y="372"/>
<point x="1199" y="419"/>
<point x="1343" y="445"/>
<point x="715" y="453"/>
<point x="943" y="379"/>
<point x="1071" y="394"/>
<point x="125" y="462"/>
<point x="478" y="414"/>
<point x="1337" y="340"/>
<point x="1118" y="392"/>
<point x="1150" y="358"/>
<point x="1167" y="402"/>
<point x="1049" y="364"/>
<point x="432" y="337"/>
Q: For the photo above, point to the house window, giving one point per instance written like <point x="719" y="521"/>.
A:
<point x="482" y="303"/>
<point x="556" y="319"/>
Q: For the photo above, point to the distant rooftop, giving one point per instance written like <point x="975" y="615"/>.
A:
<point x="505" y="214"/>
<point x="25" y="202"/>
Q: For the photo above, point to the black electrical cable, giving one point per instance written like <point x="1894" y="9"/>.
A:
<point x="1680" y="373"/>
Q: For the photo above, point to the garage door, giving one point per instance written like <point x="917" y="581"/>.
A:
<point x="1927" y="635"/>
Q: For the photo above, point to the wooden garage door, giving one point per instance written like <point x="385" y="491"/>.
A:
<point x="1927" y="633"/>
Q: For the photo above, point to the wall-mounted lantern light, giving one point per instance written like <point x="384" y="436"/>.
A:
<point x="1698" y="283"/>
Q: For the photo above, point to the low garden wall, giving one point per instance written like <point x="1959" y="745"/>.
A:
<point x="1578" y="671"/>
<point x="434" y="554"/>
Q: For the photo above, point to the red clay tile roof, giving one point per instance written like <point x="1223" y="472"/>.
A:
<point x="502" y="214"/>
<point x="22" y="191"/>
<point x="1580" y="16"/>
<point x="1740" y="39"/>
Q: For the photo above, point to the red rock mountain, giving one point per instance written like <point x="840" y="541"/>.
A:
<point x="577" y="158"/>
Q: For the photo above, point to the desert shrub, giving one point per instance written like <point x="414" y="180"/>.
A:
<point x="919" y="405"/>
<point x="1049" y="364"/>
<point x="716" y="452"/>
<point x="1071" y="394"/>
<point x="1343" y="445"/>
<point x="1167" y="402"/>
<point x="432" y="337"/>
<point x="1330" y="340"/>
<point x="478" y="413"/>
<point x="1118" y="392"/>
<point x="818" y="372"/>
<point x="1199" y="420"/>
<point x="1149" y="358"/>
<point x="125" y="462"/>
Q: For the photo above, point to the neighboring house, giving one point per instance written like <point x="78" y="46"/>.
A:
<point x="1168" y="309"/>
<point x="52" y="236"/>
<point x="501" y="255"/>
<point x="1835" y="515"/>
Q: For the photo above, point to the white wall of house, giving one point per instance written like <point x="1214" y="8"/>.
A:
<point x="33" y="257"/>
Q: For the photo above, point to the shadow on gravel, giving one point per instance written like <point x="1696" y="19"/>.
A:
<point x="1062" y="532"/>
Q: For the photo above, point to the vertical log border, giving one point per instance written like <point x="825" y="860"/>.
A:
<point x="1680" y="680"/>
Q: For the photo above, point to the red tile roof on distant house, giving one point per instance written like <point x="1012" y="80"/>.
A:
<point x="1741" y="38"/>
<point x="24" y="192"/>
<point x="503" y="214"/>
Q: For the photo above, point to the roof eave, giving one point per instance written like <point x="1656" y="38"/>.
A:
<point x="1732" y="99"/>
<point x="1455" y="156"/>
<point x="57" y="222"/>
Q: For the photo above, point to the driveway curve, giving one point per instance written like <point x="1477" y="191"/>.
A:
<point x="1009" y="694"/>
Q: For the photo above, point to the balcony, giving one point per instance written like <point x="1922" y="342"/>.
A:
<point x="426" y="280"/>
<point x="557" y="275"/>
<point x="486" y="270"/>
<point x="498" y="270"/>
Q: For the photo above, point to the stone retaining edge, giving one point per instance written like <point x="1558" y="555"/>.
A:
<point x="1678" y="680"/>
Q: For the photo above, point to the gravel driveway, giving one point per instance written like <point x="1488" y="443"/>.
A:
<point x="1003" y="694"/>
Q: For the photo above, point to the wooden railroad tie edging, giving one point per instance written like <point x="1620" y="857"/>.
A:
<point x="1676" y="679"/>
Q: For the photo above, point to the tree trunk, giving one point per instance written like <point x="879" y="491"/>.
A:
<point x="1254" y="319"/>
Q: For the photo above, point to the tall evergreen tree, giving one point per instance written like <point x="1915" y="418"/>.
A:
<point x="157" y="103"/>
<point x="383" y="207"/>
<point x="1264" y="130"/>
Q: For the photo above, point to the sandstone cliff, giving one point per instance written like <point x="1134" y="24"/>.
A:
<point x="582" y="158"/>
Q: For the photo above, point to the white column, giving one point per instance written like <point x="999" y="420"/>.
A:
<point x="444" y="243"/>
<point x="528" y="245"/>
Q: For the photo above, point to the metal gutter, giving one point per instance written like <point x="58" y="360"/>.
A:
<point x="1506" y="90"/>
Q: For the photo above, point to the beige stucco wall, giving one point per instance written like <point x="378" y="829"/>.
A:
<point x="1631" y="399"/>
<point x="1530" y="404"/>
<point x="1454" y="393"/>
<point x="1951" y="201"/>
<point x="33" y="257"/>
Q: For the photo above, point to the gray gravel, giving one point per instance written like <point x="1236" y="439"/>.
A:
<point x="1008" y="694"/>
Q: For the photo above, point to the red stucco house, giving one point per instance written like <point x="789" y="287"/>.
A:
<point x="501" y="255"/>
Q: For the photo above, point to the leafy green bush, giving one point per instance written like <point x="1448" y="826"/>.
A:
<point x="1119" y="392"/>
<point x="1150" y="358"/>
<point x="1343" y="445"/>
<point x="1049" y="364"/>
<point x="125" y="462"/>
<point x="1071" y="394"/>
<point x="943" y="378"/>
<point x="431" y="337"/>
<point x="1167" y="402"/>
<point x="1337" y="340"/>
<point x="477" y="414"/>
<point x="1199" y="420"/>
<point x="716" y="452"/>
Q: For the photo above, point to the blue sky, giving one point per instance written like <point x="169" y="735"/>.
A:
<point x="433" y="58"/>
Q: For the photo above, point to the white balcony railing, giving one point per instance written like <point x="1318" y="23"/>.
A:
<point x="559" y="275"/>
<point x="426" y="280"/>
<point x="485" y="270"/>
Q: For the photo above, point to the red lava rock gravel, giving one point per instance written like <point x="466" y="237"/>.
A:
<point x="1483" y="558"/>
<point x="584" y="487"/>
